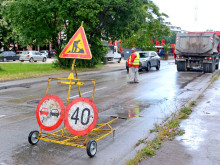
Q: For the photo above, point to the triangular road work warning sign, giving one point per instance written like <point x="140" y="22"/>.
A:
<point x="77" y="47"/>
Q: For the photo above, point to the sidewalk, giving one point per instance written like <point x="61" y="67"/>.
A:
<point x="200" y="145"/>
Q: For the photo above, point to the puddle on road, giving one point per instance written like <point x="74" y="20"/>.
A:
<point x="133" y="110"/>
<point x="33" y="102"/>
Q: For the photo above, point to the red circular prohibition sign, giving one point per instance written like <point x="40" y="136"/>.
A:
<point x="50" y="112"/>
<point x="81" y="116"/>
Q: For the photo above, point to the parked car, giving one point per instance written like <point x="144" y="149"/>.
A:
<point x="32" y="56"/>
<point x="45" y="52"/>
<point x="19" y="52"/>
<point x="148" y="59"/>
<point x="9" y="55"/>
<point x="51" y="53"/>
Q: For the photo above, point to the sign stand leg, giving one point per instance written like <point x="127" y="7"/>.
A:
<point x="74" y="67"/>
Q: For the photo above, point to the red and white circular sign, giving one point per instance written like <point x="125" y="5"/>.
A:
<point x="81" y="116"/>
<point x="50" y="112"/>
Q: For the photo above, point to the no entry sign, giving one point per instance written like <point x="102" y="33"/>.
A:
<point x="50" y="112"/>
<point x="81" y="116"/>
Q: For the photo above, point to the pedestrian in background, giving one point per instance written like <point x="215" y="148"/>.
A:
<point x="133" y="65"/>
<point x="162" y="52"/>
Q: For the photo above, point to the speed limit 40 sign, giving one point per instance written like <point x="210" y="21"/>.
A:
<point x="81" y="116"/>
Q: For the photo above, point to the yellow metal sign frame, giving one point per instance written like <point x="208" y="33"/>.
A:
<point x="66" y="138"/>
<point x="63" y="136"/>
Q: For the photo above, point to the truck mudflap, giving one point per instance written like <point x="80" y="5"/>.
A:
<point x="209" y="67"/>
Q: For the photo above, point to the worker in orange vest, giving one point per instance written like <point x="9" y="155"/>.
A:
<point x="133" y="65"/>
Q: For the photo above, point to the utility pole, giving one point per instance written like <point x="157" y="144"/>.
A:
<point x="196" y="10"/>
<point x="196" y="15"/>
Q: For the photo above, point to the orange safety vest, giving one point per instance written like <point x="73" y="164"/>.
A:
<point x="136" y="60"/>
<point x="129" y="61"/>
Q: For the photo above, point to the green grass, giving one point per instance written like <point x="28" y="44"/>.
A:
<point x="10" y="71"/>
<point x="168" y="129"/>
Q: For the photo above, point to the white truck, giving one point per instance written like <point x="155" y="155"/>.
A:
<point x="113" y="54"/>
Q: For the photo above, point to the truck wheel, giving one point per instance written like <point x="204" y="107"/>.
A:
<point x="208" y="68"/>
<point x="213" y="67"/>
<point x="216" y="66"/>
<point x="181" y="66"/>
<point x="205" y="68"/>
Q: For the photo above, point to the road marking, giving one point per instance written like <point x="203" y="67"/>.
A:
<point x="2" y="116"/>
<point x="87" y="92"/>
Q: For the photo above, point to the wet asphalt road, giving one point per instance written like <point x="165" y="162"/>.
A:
<point x="158" y="94"/>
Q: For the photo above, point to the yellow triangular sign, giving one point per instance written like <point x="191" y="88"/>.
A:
<point x="77" y="47"/>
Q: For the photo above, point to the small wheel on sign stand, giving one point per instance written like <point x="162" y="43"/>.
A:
<point x="91" y="148"/>
<point x="33" y="137"/>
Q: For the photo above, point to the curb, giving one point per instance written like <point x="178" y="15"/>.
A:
<point x="203" y="89"/>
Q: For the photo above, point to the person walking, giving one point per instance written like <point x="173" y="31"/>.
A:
<point x="133" y="65"/>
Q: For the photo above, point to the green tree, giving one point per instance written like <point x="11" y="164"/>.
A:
<point x="153" y="28"/>
<point x="39" y="22"/>
<point x="7" y="35"/>
<point x="171" y="38"/>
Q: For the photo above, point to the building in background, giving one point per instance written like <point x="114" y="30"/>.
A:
<point x="176" y="29"/>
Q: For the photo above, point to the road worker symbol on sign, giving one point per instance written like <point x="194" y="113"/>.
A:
<point x="81" y="116"/>
<point x="77" y="47"/>
<point x="50" y="112"/>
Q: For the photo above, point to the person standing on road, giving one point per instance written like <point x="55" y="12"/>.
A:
<point x="133" y="65"/>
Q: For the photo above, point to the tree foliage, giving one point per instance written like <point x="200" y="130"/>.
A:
<point x="7" y="35"/>
<point x="39" y="22"/>
<point x="170" y="38"/>
<point x="153" y="29"/>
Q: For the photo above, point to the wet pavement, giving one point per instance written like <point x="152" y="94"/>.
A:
<point x="200" y="145"/>
<point x="141" y="105"/>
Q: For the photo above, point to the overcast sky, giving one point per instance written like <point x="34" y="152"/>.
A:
<point x="192" y="15"/>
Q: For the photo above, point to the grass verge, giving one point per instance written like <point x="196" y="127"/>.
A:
<point x="167" y="130"/>
<point x="12" y="71"/>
